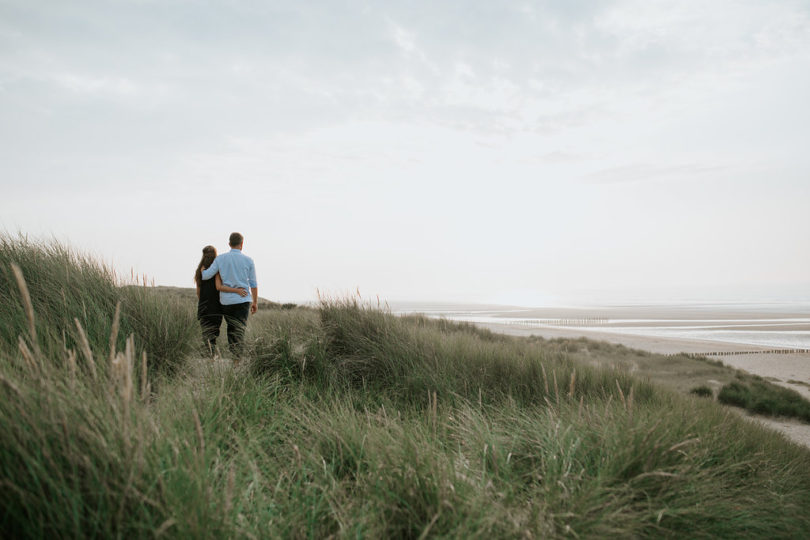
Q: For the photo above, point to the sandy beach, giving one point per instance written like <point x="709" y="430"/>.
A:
<point x="779" y="368"/>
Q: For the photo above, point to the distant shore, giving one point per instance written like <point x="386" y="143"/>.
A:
<point x="666" y="329"/>
<point x="781" y="368"/>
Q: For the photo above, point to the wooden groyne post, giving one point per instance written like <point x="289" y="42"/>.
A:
<point x="735" y="353"/>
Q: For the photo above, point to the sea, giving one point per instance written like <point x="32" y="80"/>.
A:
<point x="777" y="326"/>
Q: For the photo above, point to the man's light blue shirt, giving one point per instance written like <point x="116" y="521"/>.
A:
<point x="236" y="270"/>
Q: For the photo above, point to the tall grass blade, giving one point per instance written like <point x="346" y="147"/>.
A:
<point x="114" y="330"/>
<point x="85" y="348"/>
<point x="28" y="306"/>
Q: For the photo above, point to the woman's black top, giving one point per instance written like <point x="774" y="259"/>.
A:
<point x="208" y="303"/>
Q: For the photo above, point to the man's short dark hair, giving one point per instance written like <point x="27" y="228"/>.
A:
<point x="235" y="239"/>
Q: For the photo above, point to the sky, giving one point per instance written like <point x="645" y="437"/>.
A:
<point x="527" y="153"/>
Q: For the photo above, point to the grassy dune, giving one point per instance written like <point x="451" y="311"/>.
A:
<point x="74" y="300"/>
<point x="346" y="421"/>
<point x="686" y="373"/>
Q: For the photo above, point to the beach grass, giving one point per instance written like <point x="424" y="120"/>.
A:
<point x="73" y="304"/>
<point x="697" y="375"/>
<point x="702" y="391"/>
<point x="763" y="397"/>
<point x="346" y="421"/>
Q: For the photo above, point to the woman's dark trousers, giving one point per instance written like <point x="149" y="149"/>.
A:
<point x="210" y="330"/>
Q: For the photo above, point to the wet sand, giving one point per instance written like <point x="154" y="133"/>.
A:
<point x="780" y="368"/>
<point x="660" y="345"/>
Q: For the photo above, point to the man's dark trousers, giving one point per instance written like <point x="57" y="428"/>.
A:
<point x="236" y="316"/>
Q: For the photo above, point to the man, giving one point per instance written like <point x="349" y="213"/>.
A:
<point x="238" y="271"/>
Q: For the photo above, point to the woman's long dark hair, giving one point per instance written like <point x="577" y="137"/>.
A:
<point x="209" y="254"/>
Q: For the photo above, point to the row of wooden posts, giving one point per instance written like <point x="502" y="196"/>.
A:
<point x="559" y="322"/>
<point x="734" y="353"/>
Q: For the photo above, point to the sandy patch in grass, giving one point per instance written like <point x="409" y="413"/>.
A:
<point x="789" y="370"/>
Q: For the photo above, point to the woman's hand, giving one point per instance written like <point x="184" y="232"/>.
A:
<point x="242" y="292"/>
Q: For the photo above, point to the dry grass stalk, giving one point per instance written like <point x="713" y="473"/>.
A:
<point x="86" y="350"/>
<point x="122" y="379"/>
<point x="27" y="305"/>
<point x="298" y="458"/>
<point x="25" y="351"/>
<point x="556" y="390"/>
<point x="128" y="361"/>
<point x="484" y="462"/>
<point x="144" y="379"/>
<point x="621" y="394"/>
<point x="571" y="385"/>
<point x="662" y="474"/>
<point x="607" y="404"/>
<point x="200" y="435"/>
<point x="71" y="362"/>
<point x="630" y="399"/>
<point x="545" y="378"/>
<point x="426" y="531"/>
<point x="229" y="489"/>
<point x="165" y="526"/>
<point x="116" y="387"/>
<point x="31" y="361"/>
<point x="434" y="411"/>
<point x="116" y="373"/>
<point x="114" y="330"/>
<point x="10" y="385"/>
<point x="683" y="443"/>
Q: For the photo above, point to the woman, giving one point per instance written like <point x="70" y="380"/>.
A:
<point x="209" y="310"/>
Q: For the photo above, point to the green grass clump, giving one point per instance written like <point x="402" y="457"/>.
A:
<point x="762" y="397"/>
<point x="408" y="357"/>
<point x="346" y="421"/>
<point x="702" y="391"/>
<point x="165" y="328"/>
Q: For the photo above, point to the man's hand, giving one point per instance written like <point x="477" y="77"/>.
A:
<point x="254" y="307"/>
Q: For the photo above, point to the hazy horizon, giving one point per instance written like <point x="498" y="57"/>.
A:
<point x="517" y="153"/>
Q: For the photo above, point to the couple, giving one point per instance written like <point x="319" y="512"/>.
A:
<point x="226" y="287"/>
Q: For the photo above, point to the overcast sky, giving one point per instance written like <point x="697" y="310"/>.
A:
<point x="513" y="152"/>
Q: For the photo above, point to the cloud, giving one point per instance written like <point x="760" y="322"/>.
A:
<point x="508" y="66"/>
<point x="646" y="172"/>
<point x="560" y="157"/>
<point x="477" y="123"/>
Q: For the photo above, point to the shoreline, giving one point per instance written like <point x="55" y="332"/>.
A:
<point x="757" y="360"/>
<point x="664" y="329"/>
